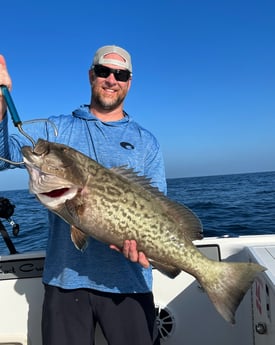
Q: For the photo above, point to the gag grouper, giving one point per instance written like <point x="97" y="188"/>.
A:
<point x="115" y="204"/>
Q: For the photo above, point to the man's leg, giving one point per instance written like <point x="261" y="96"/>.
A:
<point x="126" y="318"/>
<point x="67" y="317"/>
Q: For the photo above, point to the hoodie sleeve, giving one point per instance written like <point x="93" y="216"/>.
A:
<point x="10" y="145"/>
<point x="154" y="166"/>
<point x="4" y="146"/>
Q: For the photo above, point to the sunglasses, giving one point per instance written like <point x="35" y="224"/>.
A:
<point x="104" y="72"/>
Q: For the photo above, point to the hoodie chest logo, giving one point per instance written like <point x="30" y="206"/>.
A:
<point x="127" y="146"/>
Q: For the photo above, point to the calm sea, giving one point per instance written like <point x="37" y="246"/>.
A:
<point x="231" y="205"/>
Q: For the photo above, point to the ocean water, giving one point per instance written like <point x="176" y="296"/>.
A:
<point x="227" y="205"/>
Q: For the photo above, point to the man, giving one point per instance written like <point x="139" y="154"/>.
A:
<point x="98" y="285"/>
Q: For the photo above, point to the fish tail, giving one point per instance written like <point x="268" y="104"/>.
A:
<point x="227" y="283"/>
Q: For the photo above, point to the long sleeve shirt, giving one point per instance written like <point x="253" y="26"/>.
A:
<point x="111" y="144"/>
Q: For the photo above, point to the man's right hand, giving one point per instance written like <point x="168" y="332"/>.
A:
<point x="4" y="80"/>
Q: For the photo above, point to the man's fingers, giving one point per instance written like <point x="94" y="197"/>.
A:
<point x="112" y="246"/>
<point x="4" y="75"/>
<point x="3" y="61"/>
<point x="130" y="251"/>
<point x="142" y="259"/>
<point x="131" y="248"/>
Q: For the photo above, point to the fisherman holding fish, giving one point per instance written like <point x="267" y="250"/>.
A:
<point x="87" y="176"/>
<point x="96" y="284"/>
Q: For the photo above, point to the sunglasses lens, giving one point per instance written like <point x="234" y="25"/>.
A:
<point x="104" y="72"/>
<point x="122" y="75"/>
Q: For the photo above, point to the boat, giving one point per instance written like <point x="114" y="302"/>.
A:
<point x="184" y="312"/>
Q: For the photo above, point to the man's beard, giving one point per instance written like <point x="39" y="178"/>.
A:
<point x="107" y="104"/>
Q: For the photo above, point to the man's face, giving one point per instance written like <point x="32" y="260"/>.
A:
<point x="107" y="92"/>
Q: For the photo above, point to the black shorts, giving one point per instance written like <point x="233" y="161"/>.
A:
<point x="70" y="317"/>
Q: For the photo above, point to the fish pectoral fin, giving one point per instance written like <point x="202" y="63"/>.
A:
<point x="79" y="239"/>
<point x="73" y="208"/>
<point x="169" y="271"/>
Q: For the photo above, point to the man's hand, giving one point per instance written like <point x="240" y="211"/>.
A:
<point x="130" y="251"/>
<point x="4" y="80"/>
<point x="4" y="75"/>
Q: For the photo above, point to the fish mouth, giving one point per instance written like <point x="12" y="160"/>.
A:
<point x="56" y="193"/>
<point x="50" y="189"/>
<point x="56" y="197"/>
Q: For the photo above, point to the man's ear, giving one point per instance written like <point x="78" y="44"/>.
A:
<point x="91" y="76"/>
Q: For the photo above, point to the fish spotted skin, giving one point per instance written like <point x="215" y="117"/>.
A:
<point x="113" y="205"/>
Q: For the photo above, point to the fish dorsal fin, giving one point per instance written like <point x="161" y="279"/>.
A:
<point x="134" y="177"/>
<point x="189" y="224"/>
<point x="181" y="213"/>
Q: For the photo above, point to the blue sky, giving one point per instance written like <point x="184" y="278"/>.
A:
<point x="203" y="73"/>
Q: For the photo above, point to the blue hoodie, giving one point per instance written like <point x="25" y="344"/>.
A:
<point x="112" y="144"/>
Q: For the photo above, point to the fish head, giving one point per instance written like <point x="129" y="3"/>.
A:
<point x="55" y="175"/>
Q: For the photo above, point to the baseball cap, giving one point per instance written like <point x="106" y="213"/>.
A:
<point x="99" y="58"/>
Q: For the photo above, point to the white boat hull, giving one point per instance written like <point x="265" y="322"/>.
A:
<point x="185" y="313"/>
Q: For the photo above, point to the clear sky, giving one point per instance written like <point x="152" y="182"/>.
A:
<point x="203" y="73"/>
